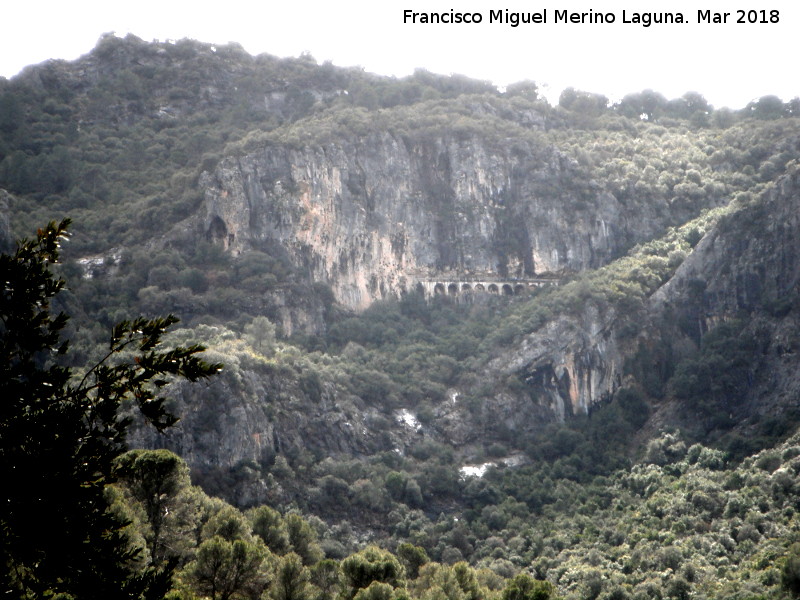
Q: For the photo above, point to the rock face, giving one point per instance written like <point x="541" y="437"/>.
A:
<point x="252" y="417"/>
<point x="372" y="217"/>
<point x="568" y="365"/>
<point x="749" y="261"/>
<point x="746" y="267"/>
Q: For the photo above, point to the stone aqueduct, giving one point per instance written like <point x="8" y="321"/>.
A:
<point x="462" y="289"/>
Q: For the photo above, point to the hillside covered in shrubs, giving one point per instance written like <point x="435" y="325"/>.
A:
<point x="624" y="429"/>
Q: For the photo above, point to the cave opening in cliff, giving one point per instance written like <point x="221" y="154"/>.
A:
<point x="217" y="232"/>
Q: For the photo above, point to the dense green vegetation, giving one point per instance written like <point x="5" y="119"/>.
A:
<point x="61" y="434"/>
<point x="681" y="524"/>
<point x="123" y="156"/>
<point x="672" y="487"/>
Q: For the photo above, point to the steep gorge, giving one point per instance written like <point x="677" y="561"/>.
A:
<point x="743" y="271"/>
<point x="586" y="433"/>
<point x="566" y="367"/>
<point x="299" y="169"/>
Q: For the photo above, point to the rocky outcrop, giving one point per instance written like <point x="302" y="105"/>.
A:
<point x="372" y="216"/>
<point x="252" y="416"/>
<point x="568" y="365"/>
<point x="746" y="267"/>
<point x="749" y="262"/>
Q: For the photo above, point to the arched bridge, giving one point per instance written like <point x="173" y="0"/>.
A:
<point x="461" y="288"/>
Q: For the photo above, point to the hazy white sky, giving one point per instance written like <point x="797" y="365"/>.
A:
<point x="730" y="64"/>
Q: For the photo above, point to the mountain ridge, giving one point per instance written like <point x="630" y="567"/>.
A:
<point x="229" y="188"/>
<point x="629" y="433"/>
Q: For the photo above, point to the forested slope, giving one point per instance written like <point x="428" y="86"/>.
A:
<point x="625" y="431"/>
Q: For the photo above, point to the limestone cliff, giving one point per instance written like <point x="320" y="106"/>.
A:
<point x="746" y="267"/>
<point x="374" y="216"/>
<point x="251" y="416"/>
<point x="568" y="365"/>
<point x="749" y="262"/>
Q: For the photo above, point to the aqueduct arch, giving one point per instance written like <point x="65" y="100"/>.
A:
<point x="467" y="289"/>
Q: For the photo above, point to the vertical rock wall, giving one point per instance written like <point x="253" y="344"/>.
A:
<point x="371" y="217"/>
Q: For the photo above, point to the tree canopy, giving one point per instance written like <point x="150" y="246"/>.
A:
<point x="61" y="431"/>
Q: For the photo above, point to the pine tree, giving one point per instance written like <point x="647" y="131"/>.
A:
<point x="60" y="435"/>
